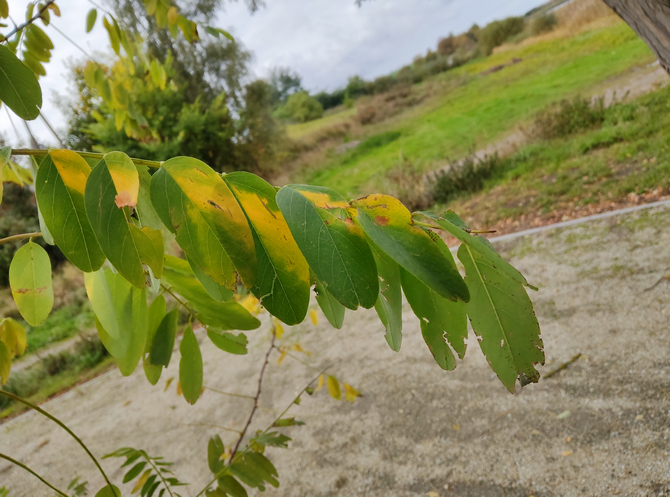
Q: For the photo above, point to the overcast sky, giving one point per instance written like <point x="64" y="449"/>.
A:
<point x="325" y="41"/>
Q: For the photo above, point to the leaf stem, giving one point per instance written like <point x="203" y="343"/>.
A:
<point x="181" y="302"/>
<point x="14" y="461"/>
<point x="29" y="21"/>
<point x="62" y="425"/>
<point x="85" y="155"/>
<point x="15" y="238"/>
<point x="230" y="394"/>
<point x="159" y="473"/>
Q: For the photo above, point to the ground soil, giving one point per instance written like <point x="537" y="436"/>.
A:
<point x="599" y="427"/>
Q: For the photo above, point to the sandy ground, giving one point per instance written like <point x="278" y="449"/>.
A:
<point x="599" y="427"/>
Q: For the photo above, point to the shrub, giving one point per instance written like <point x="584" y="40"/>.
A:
<point x="467" y="175"/>
<point x="498" y="32"/>
<point x="301" y="107"/>
<point x="366" y="114"/>
<point x="543" y="24"/>
<point x="570" y="116"/>
<point x="446" y="46"/>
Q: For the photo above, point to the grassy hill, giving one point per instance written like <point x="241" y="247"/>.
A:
<point x="471" y="106"/>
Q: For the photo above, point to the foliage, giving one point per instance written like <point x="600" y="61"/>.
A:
<point x="284" y="83"/>
<point x="570" y="116"/>
<point x="498" y="32"/>
<point x="301" y="107"/>
<point x="465" y="176"/>
<point x="543" y="24"/>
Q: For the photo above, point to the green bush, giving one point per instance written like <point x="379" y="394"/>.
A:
<point x="570" y="116"/>
<point x="466" y="176"/>
<point x="543" y="24"/>
<point x="301" y="107"/>
<point x="498" y="32"/>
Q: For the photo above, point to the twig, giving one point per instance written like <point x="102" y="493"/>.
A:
<point x="71" y="41"/>
<point x="294" y="357"/>
<point x="53" y="131"/>
<point x="562" y="366"/>
<point x="230" y="394"/>
<point x="29" y="21"/>
<point x="62" y="425"/>
<point x="14" y="461"/>
<point x="215" y="426"/>
<point x="181" y="302"/>
<point x="14" y="238"/>
<point x="257" y="397"/>
<point x="89" y="155"/>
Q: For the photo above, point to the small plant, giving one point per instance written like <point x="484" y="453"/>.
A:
<point x="570" y="116"/>
<point x="465" y="176"/>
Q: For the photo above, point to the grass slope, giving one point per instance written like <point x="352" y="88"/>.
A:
<point x="483" y="108"/>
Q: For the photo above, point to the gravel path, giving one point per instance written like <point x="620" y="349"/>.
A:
<point x="599" y="427"/>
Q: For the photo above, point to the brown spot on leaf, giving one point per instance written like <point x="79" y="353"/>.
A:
<point x="124" y="199"/>
<point x="382" y="220"/>
<point x="214" y="204"/>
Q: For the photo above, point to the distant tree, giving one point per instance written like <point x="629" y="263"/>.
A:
<point x="283" y="82"/>
<point x="446" y="45"/>
<point x="356" y="87"/>
<point x="496" y="33"/>
<point x="301" y="107"/>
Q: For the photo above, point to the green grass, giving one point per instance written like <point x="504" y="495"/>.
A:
<point x="487" y="107"/>
<point x="61" y="324"/>
<point x="297" y="131"/>
<point x="603" y="164"/>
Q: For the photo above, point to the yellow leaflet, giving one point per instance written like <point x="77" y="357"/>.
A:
<point x="386" y="210"/>
<point x="319" y="386"/>
<point x="251" y="304"/>
<point x="282" y="355"/>
<point x="14" y="337"/>
<point x="279" y="329"/>
<point x="334" y="388"/>
<point x="168" y="382"/>
<point x="314" y="317"/>
<point x="72" y="168"/>
<point x="125" y="177"/>
<point x="298" y="348"/>
<point x="179" y="392"/>
<point x="350" y="393"/>
<point x="323" y="200"/>
<point x="141" y="481"/>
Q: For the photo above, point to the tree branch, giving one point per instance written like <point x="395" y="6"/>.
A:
<point x="14" y="238"/>
<point x="20" y="465"/>
<point x="29" y="21"/>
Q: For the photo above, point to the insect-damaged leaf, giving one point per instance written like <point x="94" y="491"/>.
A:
<point x="190" y="366"/>
<point x="502" y="315"/>
<point x="19" y="89"/>
<point x="112" y="187"/>
<point x="389" y="303"/>
<point x="59" y="188"/>
<point x="282" y="278"/>
<point x="455" y="225"/>
<point x="30" y="281"/>
<point x="335" y="249"/>
<point x="331" y="308"/>
<point x="163" y="342"/>
<point x="390" y="226"/>
<point x="441" y="320"/>
<point x="195" y="203"/>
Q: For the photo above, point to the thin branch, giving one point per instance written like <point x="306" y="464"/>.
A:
<point x="89" y="155"/>
<point x="258" y="394"/>
<point x="33" y="140"/>
<point x="215" y="426"/>
<point x="62" y="425"/>
<point x="14" y="238"/>
<point x="53" y="131"/>
<point x="181" y="302"/>
<point x="14" y="461"/>
<point x="71" y="41"/>
<point x="13" y="125"/>
<point x="29" y="21"/>
<point x="230" y="394"/>
<point x="159" y="473"/>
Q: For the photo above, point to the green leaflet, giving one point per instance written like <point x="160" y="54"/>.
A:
<point x="30" y="281"/>
<point x="5" y="363"/>
<point x="389" y="303"/>
<point x="90" y="19"/>
<point x="231" y="486"/>
<point x="389" y="225"/>
<point x="502" y="315"/>
<point x="215" y="449"/>
<point x="59" y="188"/>
<point x="455" y="225"/>
<point x="334" y="249"/>
<point x="34" y="165"/>
<point x="282" y="278"/>
<point x="155" y="315"/>
<point x="108" y="491"/>
<point x="195" y="203"/>
<point x="190" y="367"/>
<point x="331" y="308"/>
<point x="226" y="315"/>
<point x="218" y="292"/>
<point x="233" y="344"/>
<point x="112" y="186"/>
<point x="163" y="343"/>
<point x="19" y="88"/>
<point x="145" y="210"/>
<point x="138" y="335"/>
<point x="441" y="320"/>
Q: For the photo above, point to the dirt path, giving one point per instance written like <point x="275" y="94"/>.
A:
<point x="600" y="427"/>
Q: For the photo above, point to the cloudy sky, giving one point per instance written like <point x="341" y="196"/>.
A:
<point x="325" y="41"/>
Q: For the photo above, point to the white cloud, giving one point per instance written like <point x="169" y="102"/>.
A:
<point x="325" y="41"/>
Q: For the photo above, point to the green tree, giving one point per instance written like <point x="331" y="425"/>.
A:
<point x="301" y="107"/>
